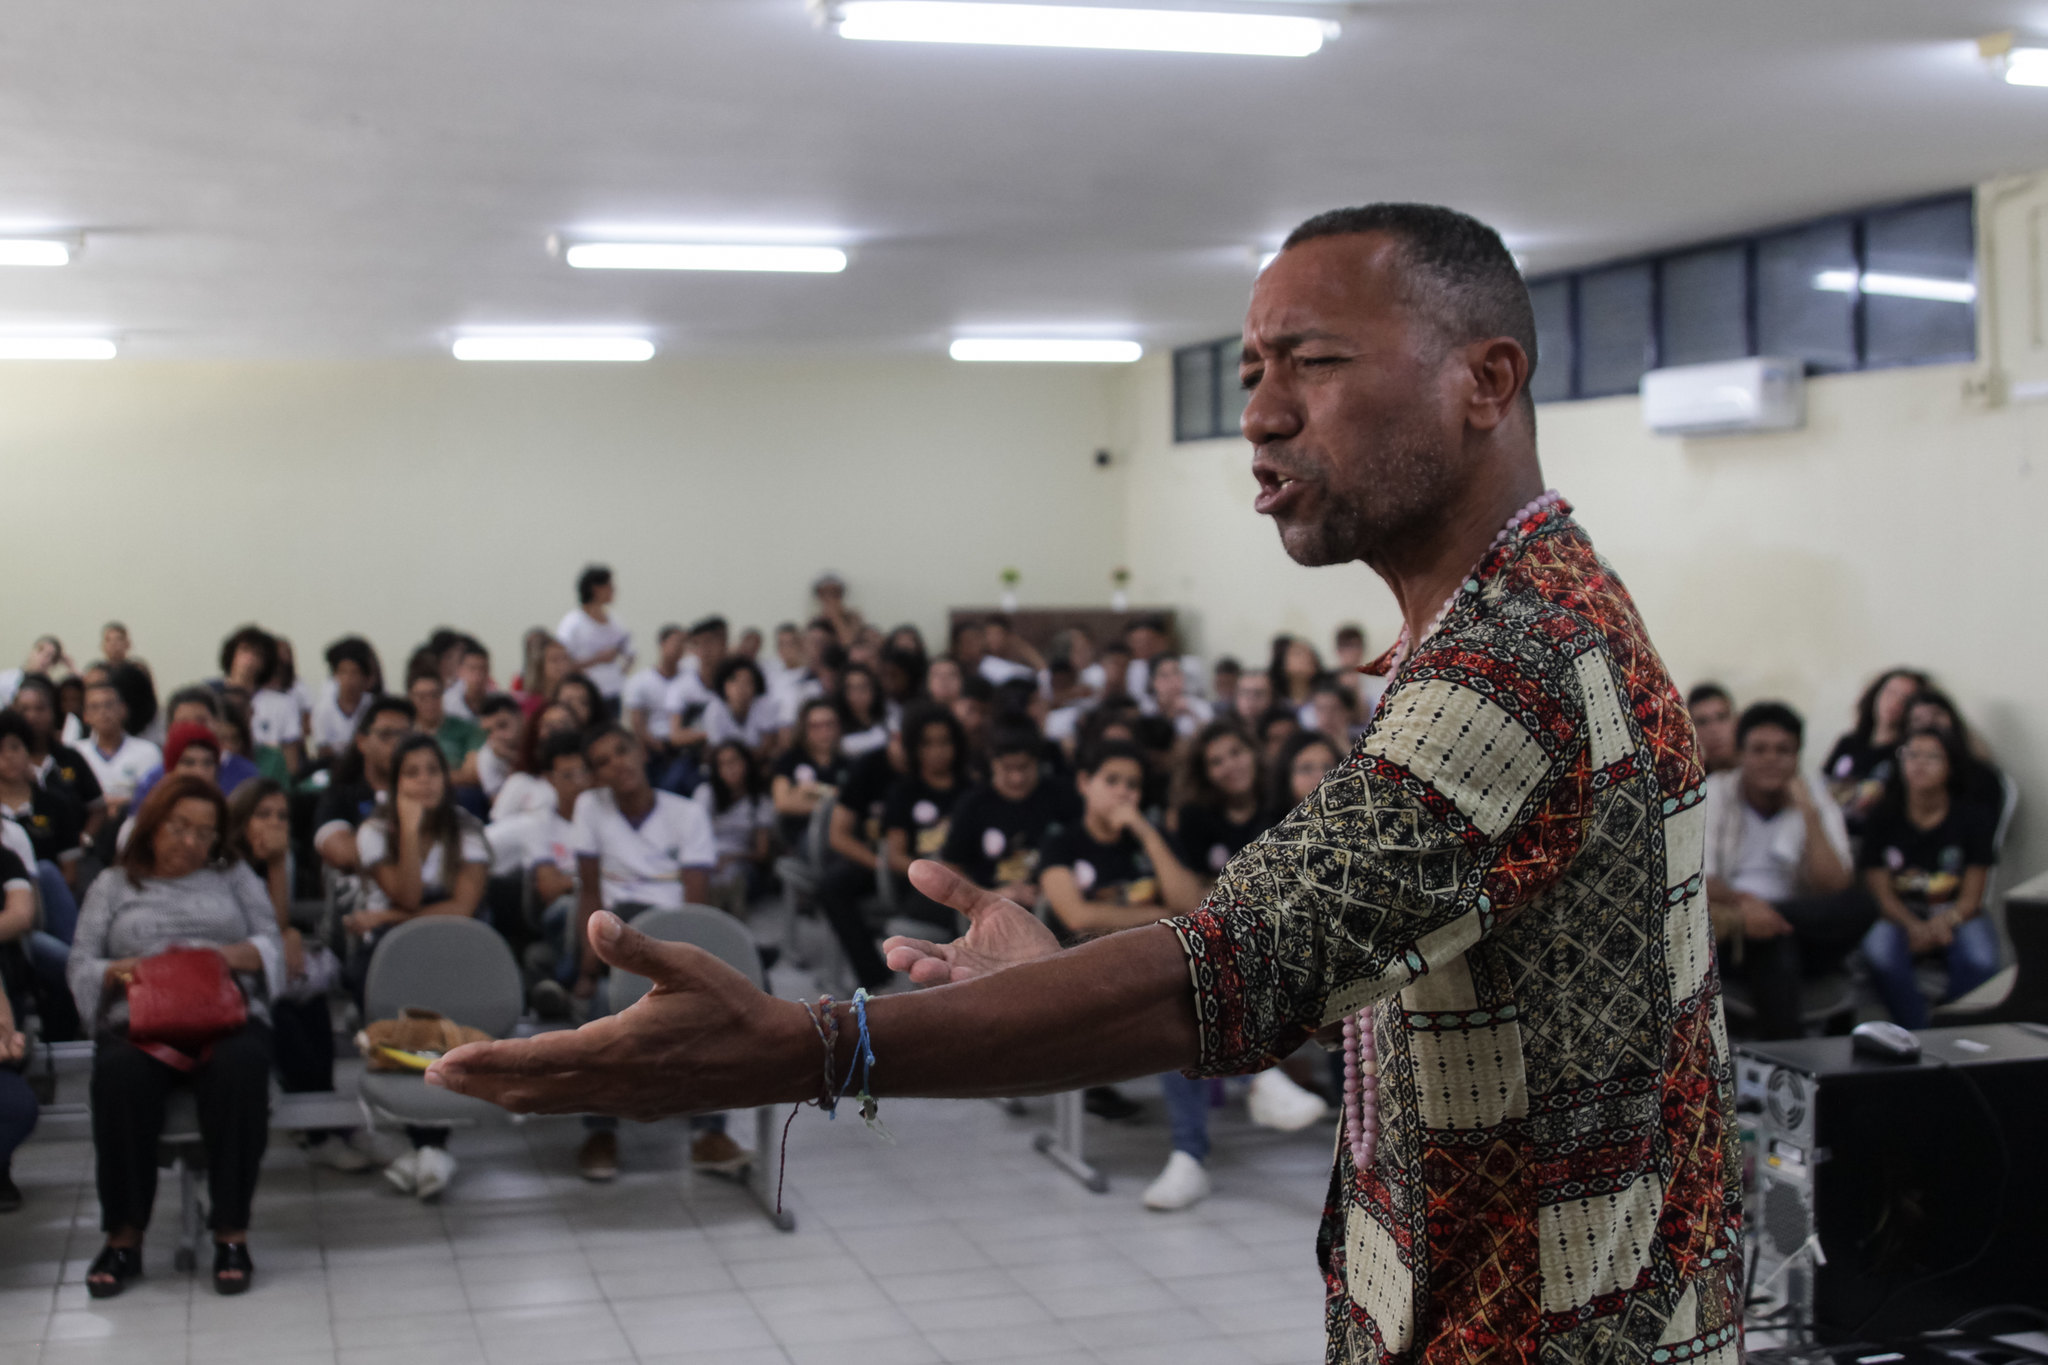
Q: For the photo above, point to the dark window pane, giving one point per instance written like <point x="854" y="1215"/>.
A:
<point x="1194" y="393"/>
<point x="1705" y="307"/>
<point x="1919" y="295"/>
<point x="1804" y="304"/>
<point x="1233" y="393"/>
<point x="1614" y="329"/>
<point x="1552" y="300"/>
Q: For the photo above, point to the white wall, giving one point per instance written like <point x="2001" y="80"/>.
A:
<point x="1902" y="525"/>
<point x="389" y="498"/>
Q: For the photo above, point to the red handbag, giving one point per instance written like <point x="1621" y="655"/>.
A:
<point x="181" y="1002"/>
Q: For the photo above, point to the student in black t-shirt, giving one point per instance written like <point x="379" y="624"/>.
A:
<point x="362" y="778"/>
<point x="1859" y="766"/>
<point x="1927" y="853"/>
<point x="812" y="770"/>
<point x="1111" y="869"/>
<point x="1980" y="784"/>
<point x="1222" y="799"/>
<point x="920" y="807"/>
<point x="58" y="766"/>
<point x="53" y="821"/>
<point x="999" y="827"/>
<point x="852" y="863"/>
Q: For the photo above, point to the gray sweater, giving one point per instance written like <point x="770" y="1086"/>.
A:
<point x="210" y="908"/>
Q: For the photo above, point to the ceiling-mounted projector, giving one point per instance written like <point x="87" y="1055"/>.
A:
<point x="1762" y="393"/>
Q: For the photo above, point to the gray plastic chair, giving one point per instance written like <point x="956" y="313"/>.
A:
<point x="458" y="968"/>
<point x="726" y="939"/>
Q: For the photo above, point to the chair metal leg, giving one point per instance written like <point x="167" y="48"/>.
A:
<point x="1065" y="1145"/>
<point x="191" y="1213"/>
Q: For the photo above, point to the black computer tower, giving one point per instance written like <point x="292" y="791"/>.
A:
<point x="1892" y="1197"/>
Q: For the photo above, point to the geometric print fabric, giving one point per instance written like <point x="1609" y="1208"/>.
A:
<point x="1508" y="863"/>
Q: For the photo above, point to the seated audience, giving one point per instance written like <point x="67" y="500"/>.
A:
<point x="649" y="711"/>
<point x="200" y="706"/>
<point x="46" y="654"/>
<point x="51" y="816"/>
<point x="504" y="728"/>
<point x="1299" y="766"/>
<point x="1927" y="856"/>
<point x="176" y="888"/>
<point x="118" y="759"/>
<point x="1168" y="697"/>
<point x="811" y="770"/>
<point x="421" y="855"/>
<point x="599" y="645"/>
<point x="249" y="661"/>
<point x="528" y="789"/>
<point x="856" y="856"/>
<point x="288" y="681"/>
<point x="1982" y="783"/>
<point x="1860" y="764"/>
<point x="539" y="845"/>
<point x="362" y="782"/>
<point x="637" y="848"/>
<point x="18" y="1108"/>
<point x="352" y="670"/>
<point x="58" y="766"/>
<point x="545" y="673"/>
<point x="580" y="695"/>
<point x="1253" y="697"/>
<point x="1713" y="721"/>
<point x="1294" y="672"/>
<point x="1000" y="653"/>
<point x="459" y="739"/>
<point x="863" y="711"/>
<point x="1778" y="874"/>
<point x="465" y="697"/>
<point x="741" y="710"/>
<point x="138" y="693"/>
<point x="1223" y="681"/>
<point x="736" y="802"/>
<point x="999" y="827"/>
<point x="919" y="811"/>
<point x="1278" y="727"/>
<point x="71" y="704"/>
<point x="1334" y="709"/>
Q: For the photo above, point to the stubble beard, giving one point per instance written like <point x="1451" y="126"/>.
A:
<point x="1392" y="501"/>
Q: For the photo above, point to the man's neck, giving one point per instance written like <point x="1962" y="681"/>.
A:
<point x="109" y="740"/>
<point x="1766" y="804"/>
<point x="595" y="611"/>
<point x="1423" y="574"/>
<point x="635" y="803"/>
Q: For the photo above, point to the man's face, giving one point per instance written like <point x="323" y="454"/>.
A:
<point x="969" y="645"/>
<point x="1014" y="776"/>
<point x="476" y="674"/>
<point x="789" y="647"/>
<point x="103" y="710"/>
<point x="710" y="651"/>
<point x="1147" y="643"/>
<point x="672" y="646"/>
<point x="1714" y="721"/>
<point x="349" y="678"/>
<point x="570" y="777"/>
<point x="34" y="706"/>
<point x="1770" y="760"/>
<point x="1357" y="405"/>
<point x="501" y="729"/>
<point x="15" y="765"/>
<point x="425" y="695"/>
<point x="615" y="763"/>
<point x="378" y="742"/>
<point x="114" y="645"/>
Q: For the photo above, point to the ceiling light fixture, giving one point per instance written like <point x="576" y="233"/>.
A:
<point x="38" y="250"/>
<point x="1896" y="286"/>
<point x="1046" y="350"/>
<point x="813" y="260"/>
<point x="553" y="348"/>
<point x="56" y="348"/>
<point x="2019" y="60"/>
<point x="1141" y="30"/>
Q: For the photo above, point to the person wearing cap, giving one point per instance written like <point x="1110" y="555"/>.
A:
<point x="197" y="706"/>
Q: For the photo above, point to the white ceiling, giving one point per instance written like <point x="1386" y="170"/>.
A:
<point x="366" y="177"/>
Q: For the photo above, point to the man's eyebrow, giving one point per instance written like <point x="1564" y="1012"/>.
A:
<point x="1287" y="342"/>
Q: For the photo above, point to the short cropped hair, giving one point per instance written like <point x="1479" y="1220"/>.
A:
<point x="1461" y="274"/>
<point x="589" y="581"/>
<point x="1707" y="691"/>
<point x="1774" y="714"/>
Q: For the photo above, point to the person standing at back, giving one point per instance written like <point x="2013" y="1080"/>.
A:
<point x="599" y="646"/>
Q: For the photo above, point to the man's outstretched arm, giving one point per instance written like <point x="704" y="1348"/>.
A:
<point x="1025" y="1021"/>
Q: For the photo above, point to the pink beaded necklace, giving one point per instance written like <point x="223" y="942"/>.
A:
<point x="1361" y="1060"/>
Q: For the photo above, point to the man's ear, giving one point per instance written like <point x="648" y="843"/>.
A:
<point x="1500" y="372"/>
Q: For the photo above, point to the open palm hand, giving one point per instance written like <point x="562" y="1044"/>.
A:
<point x="1000" y="933"/>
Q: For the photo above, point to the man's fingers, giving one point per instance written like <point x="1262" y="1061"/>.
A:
<point x="621" y="945"/>
<point x="545" y="1054"/>
<point x="950" y="889"/>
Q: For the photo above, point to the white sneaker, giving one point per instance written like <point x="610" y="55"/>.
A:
<point x="436" y="1169"/>
<point x="1277" y="1102"/>
<point x="336" y="1154"/>
<point x="404" y="1171"/>
<point x="1181" y="1184"/>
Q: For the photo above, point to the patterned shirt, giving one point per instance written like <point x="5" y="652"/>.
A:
<point x="1510" y="861"/>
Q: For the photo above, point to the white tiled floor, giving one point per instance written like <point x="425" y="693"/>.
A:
<point x="958" y="1243"/>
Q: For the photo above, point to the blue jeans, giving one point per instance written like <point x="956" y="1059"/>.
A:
<point x="60" y="907"/>
<point x="1187" y="1113"/>
<point x="1972" y="959"/>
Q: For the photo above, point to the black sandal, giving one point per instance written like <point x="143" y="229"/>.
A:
<point x="231" y="1259"/>
<point x="119" y="1265"/>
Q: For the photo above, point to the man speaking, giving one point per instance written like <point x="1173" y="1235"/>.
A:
<point x="1494" y="905"/>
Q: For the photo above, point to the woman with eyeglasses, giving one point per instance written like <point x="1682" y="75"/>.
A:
<point x="177" y="885"/>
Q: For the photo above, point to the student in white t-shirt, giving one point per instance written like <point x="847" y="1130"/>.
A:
<point x="540" y="845"/>
<point x="504" y="726"/>
<point x="636" y="848"/>
<point x="248" y="661"/>
<point x="648" y="711"/>
<point x="600" y="646"/>
<point x="740" y="711"/>
<point x="735" y="801"/>
<point x="471" y="688"/>
<point x="118" y="759"/>
<point x="352" y="678"/>
<point x="421" y="855"/>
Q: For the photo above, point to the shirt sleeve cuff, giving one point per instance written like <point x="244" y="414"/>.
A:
<point x="1234" y="983"/>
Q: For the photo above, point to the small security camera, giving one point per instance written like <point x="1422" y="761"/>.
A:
<point x="1102" y="459"/>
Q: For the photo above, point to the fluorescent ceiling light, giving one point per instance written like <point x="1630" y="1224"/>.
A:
<point x="56" y="348"/>
<point x="817" y="260"/>
<point x="1897" y="286"/>
<point x="1018" y="348"/>
<point x="34" y="251"/>
<point x="553" y="348"/>
<point x="2027" y="66"/>
<point x="1146" y="30"/>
